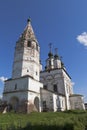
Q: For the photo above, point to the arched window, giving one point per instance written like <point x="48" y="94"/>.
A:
<point x="36" y="73"/>
<point x="45" y="86"/>
<point x="55" y="88"/>
<point x="29" y="44"/>
<point x="27" y="70"/>
<point x="15" y="86"/>
<point x="50" y="63"/>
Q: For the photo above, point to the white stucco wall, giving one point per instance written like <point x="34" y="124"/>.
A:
<point x="51" y="78"/>
<point x="48" y="97"/>
<point x="34" y="85"/>
<point x="25" y="88"/>
<point x="77" y="102"/>
<point x="59" y="102"/>
<point x="54" y="102"/>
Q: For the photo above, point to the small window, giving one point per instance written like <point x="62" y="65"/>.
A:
<point x="44" y="104"/>
<point x="49" y="62"/>
<point x="15" y="86"/>
<point x="27" y="70"/>
<point x="55" y="88"/>
<point x="45" y="86"/>
<point x="29" y="44"/>
<point x="36" y="73"/>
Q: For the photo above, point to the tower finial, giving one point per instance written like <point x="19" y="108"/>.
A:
<point x="56" y="51"/>
<point x="50" y="47"/>
<point x="28" y="20"/>
<point x="50" y="52"/>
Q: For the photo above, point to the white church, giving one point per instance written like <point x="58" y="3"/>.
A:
<point x="32" y="89"/>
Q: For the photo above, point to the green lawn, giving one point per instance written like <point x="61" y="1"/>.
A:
<point x="69" y="120"/>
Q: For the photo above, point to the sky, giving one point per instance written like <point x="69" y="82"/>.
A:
<point x="60" y="22"/>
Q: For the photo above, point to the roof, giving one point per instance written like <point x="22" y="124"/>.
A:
<point x="28" y="33"/>
<point x="56" y="69"/>
<point x="76" y="95"/>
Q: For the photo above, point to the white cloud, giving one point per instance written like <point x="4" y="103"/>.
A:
<point x="73" y="83"/>
<point x="2" y="78"/>
<point x="82" y="38"/>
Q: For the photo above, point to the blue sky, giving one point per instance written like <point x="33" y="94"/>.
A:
<point x="60" y="22"/>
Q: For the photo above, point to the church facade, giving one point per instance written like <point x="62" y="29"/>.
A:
<point x="33" y="89"/>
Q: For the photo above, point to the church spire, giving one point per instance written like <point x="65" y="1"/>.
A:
<point x="57" y="61"/>
<point x="49" y="61"/>
<point x="28" y="33"/>
<point x="50" y="54"/>
<point x="56" y="54"/>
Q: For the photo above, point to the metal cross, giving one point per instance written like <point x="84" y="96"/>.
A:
<point x="56" y="51"/>
<point x="50" y="46"/>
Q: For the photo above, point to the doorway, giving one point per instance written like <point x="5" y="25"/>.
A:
<point x="36" y="103"/>
<point x="15" y="103"/>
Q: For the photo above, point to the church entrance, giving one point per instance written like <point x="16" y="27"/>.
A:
<point x="14" y="103"/>
<point x="36" y="103"/>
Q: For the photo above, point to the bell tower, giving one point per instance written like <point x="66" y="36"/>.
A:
<point x="22" y="91"/>
<point x="26" y="57"/>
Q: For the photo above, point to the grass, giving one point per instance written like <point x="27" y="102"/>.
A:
<point x="69" y="120"/>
